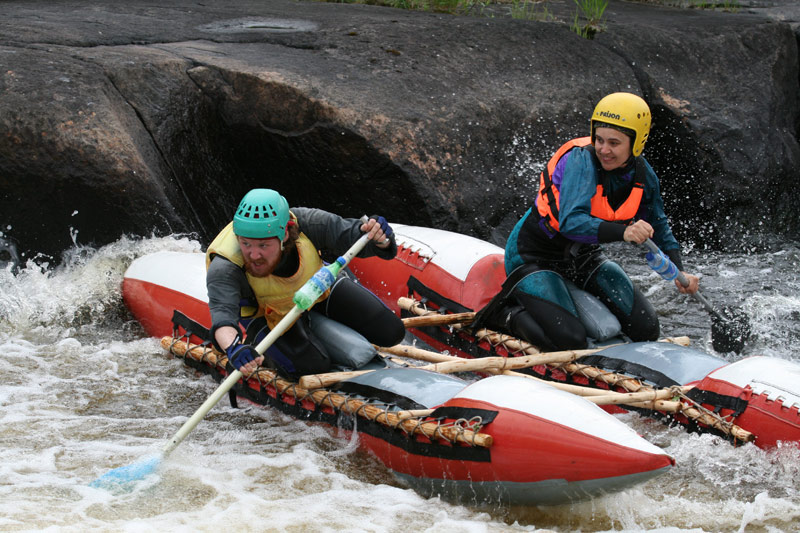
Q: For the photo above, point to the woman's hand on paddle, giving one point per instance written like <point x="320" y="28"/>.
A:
<point x="638" y="232"/>
<point x="694" y="284"/>
<point x="378" y="230"/>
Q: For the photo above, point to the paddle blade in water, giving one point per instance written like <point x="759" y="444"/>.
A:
<point x="730" y="334"/>
<point x="124" y="476"/>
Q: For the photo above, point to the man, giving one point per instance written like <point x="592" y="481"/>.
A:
<point x="594" y="190"/>
<point x="257" y="263"/>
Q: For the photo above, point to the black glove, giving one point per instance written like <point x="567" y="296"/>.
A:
<point x="387" y="229"/>
<point x="241" y="354"/>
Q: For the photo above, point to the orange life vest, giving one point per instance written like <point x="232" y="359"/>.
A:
<point x="548" y="200"/>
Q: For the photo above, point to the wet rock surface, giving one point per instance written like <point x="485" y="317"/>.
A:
<point x="150" y="118"/>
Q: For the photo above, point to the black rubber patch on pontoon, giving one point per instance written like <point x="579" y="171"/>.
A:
<point x="387" y="397"/>
<point x="626" y="367"/>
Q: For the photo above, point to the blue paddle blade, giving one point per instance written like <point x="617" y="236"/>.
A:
<point x="124" y="476"/>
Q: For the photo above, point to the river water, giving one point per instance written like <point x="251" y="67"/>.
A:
<point x="82" y="391"/>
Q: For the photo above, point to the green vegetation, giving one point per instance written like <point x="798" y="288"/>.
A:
<point x="592" y="12"/>
<point x="726" y="5"/>
<point x="589" y="18"/>
<point x="531" y="10"/>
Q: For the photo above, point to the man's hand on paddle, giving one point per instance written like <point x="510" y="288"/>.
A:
<point x="243" y="357"/>
<point x="378" y="230"/>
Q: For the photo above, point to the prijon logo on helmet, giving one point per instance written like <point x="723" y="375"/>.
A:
<point x="606" y="114"/>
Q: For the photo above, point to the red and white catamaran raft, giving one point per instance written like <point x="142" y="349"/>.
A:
<point x="443" y="272"/>
<point x="500" y="440"/>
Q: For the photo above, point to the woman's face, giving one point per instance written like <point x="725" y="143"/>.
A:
<point x="613" y="148"/>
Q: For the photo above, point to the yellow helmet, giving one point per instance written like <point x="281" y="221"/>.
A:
<point x="627" y="111"/>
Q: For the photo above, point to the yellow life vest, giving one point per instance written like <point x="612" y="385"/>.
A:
<point x="274" y="293"/>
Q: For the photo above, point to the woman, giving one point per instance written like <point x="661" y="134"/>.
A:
<point x="594" y="190"/>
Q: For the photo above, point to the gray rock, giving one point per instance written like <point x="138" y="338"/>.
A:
<point x="142" y="118"/>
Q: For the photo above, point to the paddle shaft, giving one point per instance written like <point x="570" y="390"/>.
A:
<point x="653" y="248"/>
<point x="229" y="382"/>
<point x="285" y="323"/>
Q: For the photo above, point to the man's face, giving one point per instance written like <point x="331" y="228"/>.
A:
<point x="261" y="256"/>
<point x="612" y="147"/>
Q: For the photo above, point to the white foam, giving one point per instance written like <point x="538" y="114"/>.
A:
<point x="81" y="393"/>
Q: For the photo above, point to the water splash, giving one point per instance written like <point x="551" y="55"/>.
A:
<point x="82" y="294"/>
<point x="82" y="391"/>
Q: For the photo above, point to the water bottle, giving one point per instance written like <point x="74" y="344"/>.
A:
<point x="662" y="265"/>
<point x="320" y="282"/>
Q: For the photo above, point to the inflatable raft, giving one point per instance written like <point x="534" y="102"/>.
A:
<point x="444" y="272"/>
<point x="502" y="440"/>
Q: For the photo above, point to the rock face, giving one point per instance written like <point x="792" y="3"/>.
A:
<point x="150" y="118"/>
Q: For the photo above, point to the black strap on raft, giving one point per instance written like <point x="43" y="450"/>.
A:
<point x="426" y="293"/>
<point x="719" y="401"/>
<point x="190" y="326"/>
<point x="179" y="320"/>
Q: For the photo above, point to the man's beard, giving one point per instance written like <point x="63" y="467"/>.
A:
<point x="263" y="268"/>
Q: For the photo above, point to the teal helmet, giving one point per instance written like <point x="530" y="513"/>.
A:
<point x="262" y="214"/>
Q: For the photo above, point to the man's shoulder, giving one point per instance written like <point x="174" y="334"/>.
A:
<point x="220" y="265"/>
<point x="310" y="215"/>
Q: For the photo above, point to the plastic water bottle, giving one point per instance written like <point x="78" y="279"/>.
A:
<point x="662" y="265"/>
<point x="320" y="282"/>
